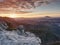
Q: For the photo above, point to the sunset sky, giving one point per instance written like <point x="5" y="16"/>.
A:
<point x="46" y="8"/>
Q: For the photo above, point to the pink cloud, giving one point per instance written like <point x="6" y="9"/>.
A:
<point x="23" y="4"/>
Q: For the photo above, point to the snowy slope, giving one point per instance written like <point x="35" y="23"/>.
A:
<point x="14" y="38"/>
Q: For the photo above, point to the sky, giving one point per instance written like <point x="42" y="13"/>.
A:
<point x="53" y="7"/>
<point x="29" y="8"/>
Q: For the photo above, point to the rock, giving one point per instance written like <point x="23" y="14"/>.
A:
<point x="20" y="30"/>
<point x="3" y="26"/>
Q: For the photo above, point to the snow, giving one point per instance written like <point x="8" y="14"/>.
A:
<point x="13" y="38"/>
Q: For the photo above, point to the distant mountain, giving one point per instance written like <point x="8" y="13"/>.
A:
<point x="14" y="22"/>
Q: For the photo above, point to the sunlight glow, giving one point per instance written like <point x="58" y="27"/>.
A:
<point x="30" y="15"/>
<point x="12" y="15"/>
<point x="9" y="15"/>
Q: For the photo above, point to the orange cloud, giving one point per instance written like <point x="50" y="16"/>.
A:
<point x="22" y="5"/>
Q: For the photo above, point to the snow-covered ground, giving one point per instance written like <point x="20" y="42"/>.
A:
<point x="14" y="38"/>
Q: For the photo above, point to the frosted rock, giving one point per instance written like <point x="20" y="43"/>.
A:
<point x="12" y="38"/>
<point x="20" y="30"/>
<point x="3" y="26"/>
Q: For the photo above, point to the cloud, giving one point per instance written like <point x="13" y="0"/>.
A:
<point x="21" y="5"/>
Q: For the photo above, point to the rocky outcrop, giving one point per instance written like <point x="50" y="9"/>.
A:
<point x="17" y="37"/>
